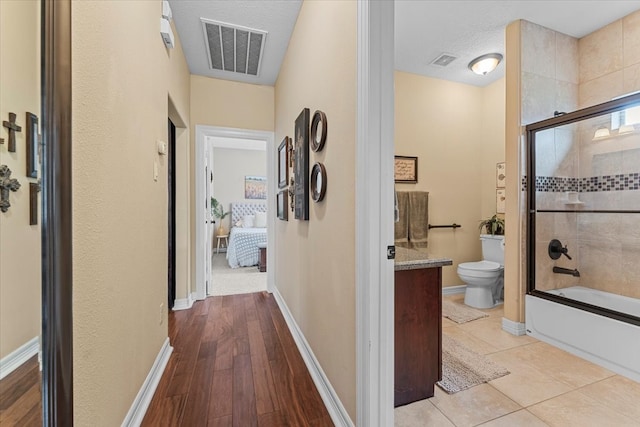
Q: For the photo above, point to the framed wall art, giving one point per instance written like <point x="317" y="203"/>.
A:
<point x="318" y="182"/>
<point x="283" y="162"/>
<point x="501" y="205"/>
<point x="282" y="205"/>
<point x="501" y="171"/>
<point x="301" y="166"/>
<point x="255" y="187"/>
<point x="318" y="131"/>
<point x="406" y="169"/>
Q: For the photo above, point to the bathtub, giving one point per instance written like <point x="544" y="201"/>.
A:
<point x="610" y="343"/>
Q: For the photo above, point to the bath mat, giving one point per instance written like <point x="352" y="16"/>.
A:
<point x="460" y="313"/>
<point x="463" y="368"/>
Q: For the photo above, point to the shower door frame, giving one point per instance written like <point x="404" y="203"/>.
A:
<point x="530" y="133"/>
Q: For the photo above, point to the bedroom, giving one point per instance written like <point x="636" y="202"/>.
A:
<point x="237" y="184"/>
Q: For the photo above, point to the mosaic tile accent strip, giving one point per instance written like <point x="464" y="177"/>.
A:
<point x="556" y="184"/>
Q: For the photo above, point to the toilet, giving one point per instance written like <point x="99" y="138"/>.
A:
<point x="485" y="279"/>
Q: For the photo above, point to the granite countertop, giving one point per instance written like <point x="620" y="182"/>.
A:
<point x="411" y="259"/>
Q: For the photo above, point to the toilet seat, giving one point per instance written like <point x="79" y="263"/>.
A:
<point x="485" y="266"/>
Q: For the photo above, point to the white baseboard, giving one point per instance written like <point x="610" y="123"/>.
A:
<point x="514" y="328"/>
<point x="454" y="290"/>
<point x="184" y="303"/>
<point x="334" y="406"/>
<point x="13" y="360"/>
<point x="143" y="399"/>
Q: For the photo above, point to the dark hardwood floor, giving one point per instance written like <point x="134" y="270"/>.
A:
<point x="21" y="397"/>
<point x="235" y="363"/>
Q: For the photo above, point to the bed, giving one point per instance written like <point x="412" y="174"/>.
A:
<point x="243" y="241"/>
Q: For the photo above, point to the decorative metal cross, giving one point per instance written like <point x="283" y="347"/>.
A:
<point x="12" y="129"/>
<point x="6" y="183"/>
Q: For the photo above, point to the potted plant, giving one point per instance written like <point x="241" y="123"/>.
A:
<point x="217" y="210"/>
<point x="493" y="225"/>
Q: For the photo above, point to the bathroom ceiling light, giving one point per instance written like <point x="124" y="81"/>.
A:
<point x="485" y="64"/>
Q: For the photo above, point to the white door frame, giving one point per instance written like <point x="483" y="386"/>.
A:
<point x="202" y="238"/>
<point x="374" y="213"/>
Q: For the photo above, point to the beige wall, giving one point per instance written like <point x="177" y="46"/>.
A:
<point x="515" y="237"/>
<point x="609" y="61"/>
<point x="315" y="259"/>
<point x="230" y="166"/>
<point x="224" y="103"/>
<point x="492" y="138"/>
<point x="457" y="133"/>
<point x="121" y="84"/>
<point x="216" y="102"/>
<point x="19" y="242"/>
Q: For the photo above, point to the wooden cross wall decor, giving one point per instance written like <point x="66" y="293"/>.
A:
<point x="6" y="184"/>
<point x="12" y="129"/>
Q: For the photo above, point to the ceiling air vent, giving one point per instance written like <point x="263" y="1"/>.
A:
<point x="444" y="60"/>
<point x="233" y="48"/>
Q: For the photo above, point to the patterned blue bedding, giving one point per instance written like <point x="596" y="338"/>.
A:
<point x="243" y="246"/>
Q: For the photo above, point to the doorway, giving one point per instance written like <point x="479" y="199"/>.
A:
<point x="204" y="238"/>
<point x="238" y="184"/>
<point x="171" y="208"/>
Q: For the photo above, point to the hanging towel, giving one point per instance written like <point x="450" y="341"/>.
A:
<point x="401" y="228"/>
<point x="418" y="219"/>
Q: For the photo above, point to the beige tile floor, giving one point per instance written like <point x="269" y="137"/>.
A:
<point x="546" y="387"/>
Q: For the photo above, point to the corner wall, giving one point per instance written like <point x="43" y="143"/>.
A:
<point x="315" y="259"/>
<point x="20" y="254"/>
<point x="122" y="81"/>
<point x="457" y="133"/>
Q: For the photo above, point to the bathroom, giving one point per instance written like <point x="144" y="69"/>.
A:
<point x="457" y="158"/>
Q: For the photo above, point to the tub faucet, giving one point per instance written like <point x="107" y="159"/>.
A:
<point x="560" y="270"/>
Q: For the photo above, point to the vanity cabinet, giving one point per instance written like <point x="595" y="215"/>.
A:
<point x="418" y="331"/>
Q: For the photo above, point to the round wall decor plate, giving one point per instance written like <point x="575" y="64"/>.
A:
<point x="318" y="131"/>
<point x="318" y="182"/>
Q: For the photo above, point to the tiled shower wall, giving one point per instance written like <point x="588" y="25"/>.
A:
<point x="604" y="247"/>
<point x="610" y="61"/>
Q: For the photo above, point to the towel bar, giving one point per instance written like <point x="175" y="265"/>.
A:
<point x="454" y="225"/>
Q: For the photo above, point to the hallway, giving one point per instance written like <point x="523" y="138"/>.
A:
<point x="235" y="364"/>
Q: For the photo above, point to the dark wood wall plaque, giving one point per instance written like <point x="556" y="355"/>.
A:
<point x="301" y="166"/>
<point x="34" y="189"/>
<point x="32" y="145"/>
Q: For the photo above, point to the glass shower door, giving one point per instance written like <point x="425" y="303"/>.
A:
<point x="583" y="182"/>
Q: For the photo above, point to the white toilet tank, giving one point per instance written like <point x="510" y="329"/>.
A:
<point x="492" y="248"/>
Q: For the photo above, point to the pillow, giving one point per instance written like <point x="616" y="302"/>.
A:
<point x="261" y="220"/>
<point x="238" y="223"/>
<point x="247" y="221"/>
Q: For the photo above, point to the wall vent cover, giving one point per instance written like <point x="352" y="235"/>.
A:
<point x="233" y="48"/>
<point x="444" y="60"/>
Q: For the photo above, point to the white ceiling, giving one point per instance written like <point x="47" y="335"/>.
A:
<point x="468" y="29"/>
<point x="277" y="17"/>
<point x="424" y="30"/>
